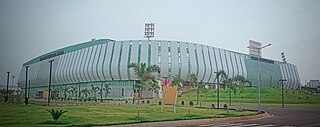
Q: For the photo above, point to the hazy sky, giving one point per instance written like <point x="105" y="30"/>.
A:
<point x="29" y="28"/>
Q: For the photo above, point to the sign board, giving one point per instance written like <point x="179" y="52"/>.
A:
<point x="169" y="95"/>
<point x="254" y="48"/>
<point x="45" y="94"/>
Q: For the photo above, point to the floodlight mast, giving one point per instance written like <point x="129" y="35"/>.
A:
<point x="149" y="30"/>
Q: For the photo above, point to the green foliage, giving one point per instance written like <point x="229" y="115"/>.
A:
<point x="145" y="75"/>
<point x="106" y="90"/>
<point x="177" y="81"/>
<point x="225" y="106"/>
<point x="213" y="106"/>
<point x="182" y="102"/>
<point x="190" y="103"/>
<point x="86" y="92"/>
<point x="56" y="113"/>
<point x="159" y="103"/>
<point x="193" y="80"/>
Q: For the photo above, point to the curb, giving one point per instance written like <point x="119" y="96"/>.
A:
<point x="197" y="121"/>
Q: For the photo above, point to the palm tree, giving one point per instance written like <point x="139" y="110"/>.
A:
<point x="144" y="74"/>
<point x="229" y="83"/>
<point x="65" y="90"/>
<point x="193" y="80"/>
<point x="94" y="90"/>
<point x="240" y="81"/>
<point x="194" y="83"/>
<point x="73" y="90"/>
<point x="55" y="92"/>
<point x="219" y="75"/>
<point x="106" y="90"/>
<point x="203" y="89"/>
<point x="86" y="92"/>
<point x="154" y="87"/>
<point x="177" y="81"/>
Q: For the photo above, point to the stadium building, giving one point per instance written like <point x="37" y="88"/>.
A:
<point x="106" y="61"/>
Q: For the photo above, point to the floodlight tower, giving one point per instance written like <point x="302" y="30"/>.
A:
<point x="149" y="30"/>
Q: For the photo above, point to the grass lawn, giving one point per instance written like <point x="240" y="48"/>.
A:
<point x="36" y="115"/>
<point x="270" y="98"/>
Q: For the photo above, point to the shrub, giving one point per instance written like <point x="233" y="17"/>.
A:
<point x="299" y="98"/>
<point x="182" y="102"/>
<point x="307" y="98"/>
<point x="225" y="106"/>
<point x="142" y="101"/>
<point x="56" y="113"/>
<point x="160" y="103"/>
<point x="126" y="102"/>
<point x="148" y="102"/>
<point x="213" y="106"/>
<point x="191" y="103"/>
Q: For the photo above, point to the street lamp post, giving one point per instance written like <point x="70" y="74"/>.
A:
<point x="25" y="88"/>
<point x="259" y="75"/>
<point x="282" y="80"/>
<point x="218" y="87"/>
<point x="7" y="92"/>
<point x="49" y="97"/>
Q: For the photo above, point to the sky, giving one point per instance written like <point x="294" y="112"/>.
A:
<point x="31" y="28"/>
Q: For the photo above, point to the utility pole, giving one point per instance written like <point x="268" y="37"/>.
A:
<point x="218" y="87"/>
<point x="49" y="96"/>
<point x="7" y="92"/>
<point x="26" y="87"/>
<point x="282" y="80"/>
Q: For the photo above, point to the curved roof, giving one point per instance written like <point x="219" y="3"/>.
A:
<point x="66" y="50"/>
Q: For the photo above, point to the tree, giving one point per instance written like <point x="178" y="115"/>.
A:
<point x="240" y="81"/>
<point x="73" y="90"/>
<point x="106" y="90"/>
<point x="154" y="87"/>
<point x="229" y="83"/>
<point x="94" y="90"/>
<point x="145" y="75"/>
<point x="193" y="80"/>
<point x="194" y="83"/>
<point x="177" y="81"/>
<point x="85" y="92"/>
<point x="66" y="89"/>
<point x="55" y="92"/>
<point x="219" y="75"/>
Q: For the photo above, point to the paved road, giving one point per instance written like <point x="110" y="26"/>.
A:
<point x="282" y="117"/>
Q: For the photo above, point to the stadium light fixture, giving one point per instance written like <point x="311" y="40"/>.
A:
<point x="149" y="30"/>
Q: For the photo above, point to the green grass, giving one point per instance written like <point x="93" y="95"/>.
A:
<point x="36" y="115"/>
<point x="270" y="97"/>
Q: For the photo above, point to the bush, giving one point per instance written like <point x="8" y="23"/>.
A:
<point x="160" y="103"/>
<point x="182" y="102"/>
<point x="142" y="101"/>
<point x="213" y="106"/>
<point x="307" y="98"/>
<point x="191" y="103"/>
<point x="56" y="113"/>
<point x="225" y="106"/>
<point x="299" y="98"/>
<point x="126" y="102"/>
<point x="148" y="102"/>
